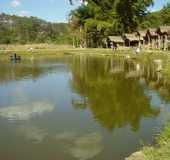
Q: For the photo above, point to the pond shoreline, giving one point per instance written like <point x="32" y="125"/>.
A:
<point x="158" y="152"/>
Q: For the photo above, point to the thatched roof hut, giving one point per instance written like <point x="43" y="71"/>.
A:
<point x="152" y="31"/>
<point x="141" y="34"/>
<point x="132" y="37"/>
<point x="165" y="30"/>
<point x="116" y="39"/>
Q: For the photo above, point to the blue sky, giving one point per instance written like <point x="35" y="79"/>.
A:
<point x="159" y="4"/>
<point x="50" y="10"/>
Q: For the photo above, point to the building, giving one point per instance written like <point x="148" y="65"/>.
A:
<point x="132" y="39"/>
<point x="118" y="40"/>
<point x="164" y="37"/>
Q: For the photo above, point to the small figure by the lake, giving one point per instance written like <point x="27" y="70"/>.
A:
<point x="15" y="57"/>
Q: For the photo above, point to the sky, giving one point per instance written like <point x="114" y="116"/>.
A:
<point x="50" y="10"/>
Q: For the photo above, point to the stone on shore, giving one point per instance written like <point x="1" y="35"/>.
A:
<point x="136" y="156"/>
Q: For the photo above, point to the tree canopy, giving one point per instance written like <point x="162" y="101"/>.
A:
<point x="158" y="18"/>
<point x="98" y="19"/>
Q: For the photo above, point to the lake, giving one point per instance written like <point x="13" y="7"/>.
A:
<point x="80" y="107"/>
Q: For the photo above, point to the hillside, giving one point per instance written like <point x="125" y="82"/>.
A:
<point x="16" y="29"/>
<point x="158" y="18"/>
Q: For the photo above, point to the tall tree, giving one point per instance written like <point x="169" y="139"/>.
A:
<point x="106" y="17"/>
<point x="132" y="12"/>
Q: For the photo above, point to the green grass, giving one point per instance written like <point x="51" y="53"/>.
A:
<point x="161" y="151"/>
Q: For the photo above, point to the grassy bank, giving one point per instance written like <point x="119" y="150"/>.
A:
<point x="162" y="150"/>
<point x="52" y="49"/>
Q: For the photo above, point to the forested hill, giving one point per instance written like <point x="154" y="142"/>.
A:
<point x="16" y="29"/>
<point x="158" y="18"/>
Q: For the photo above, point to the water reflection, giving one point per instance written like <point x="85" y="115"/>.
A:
<point x="81" y="146"/>
<point x="32" y="133"/>
<point x="87" y="146"/>
<point x="115" y="96"/>
<point x="25" y="70"/>
<point x="25" y="111"/>
<point x="66" y="136"/>
<point x="93" y="95"/>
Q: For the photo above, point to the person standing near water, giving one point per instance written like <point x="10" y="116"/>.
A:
<point x="137" y="50"/>
<point x="113" y="46"/>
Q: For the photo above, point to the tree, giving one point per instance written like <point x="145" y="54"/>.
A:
<point x="157" y="19"/>
<point x="102" y="18"/>
<point x="131" y="13"/>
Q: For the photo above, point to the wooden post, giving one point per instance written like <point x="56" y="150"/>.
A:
<point x="149" y="41"/>
<point x="139" y="44"/>
<point x="159" y="42"/>
<point x="74" y="42"/>
<point x="152" y="43"/>
<point x="165" y="42"/>
<point x="77" y="41"/>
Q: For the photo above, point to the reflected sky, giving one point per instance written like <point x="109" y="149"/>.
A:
<point x="25" y="112"/>
<point x="32" y="133"/>
<point x="80" y="107"/>
<point x="81" y="146"/>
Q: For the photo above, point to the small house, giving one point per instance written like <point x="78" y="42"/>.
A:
<point x="152" y="38"/>
<point x="142" y="36"/>
<point x="164" y="36"/>
<point x="118" y="40"/>
<point x="165" y="30"/>
<point x="131" y="39"/>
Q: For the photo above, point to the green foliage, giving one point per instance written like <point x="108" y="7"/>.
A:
<point x="15" y="29"/>
<point x="156" y="19"/>
<point x="108" y="17"/>
<point x="162" y="151"/>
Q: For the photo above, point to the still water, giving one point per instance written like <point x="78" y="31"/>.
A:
<point x="79" y="108"/>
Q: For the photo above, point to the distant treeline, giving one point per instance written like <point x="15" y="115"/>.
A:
<point x="157" y="19"/>
<point x="16" y="29"/>
<point x="88" y="24"/>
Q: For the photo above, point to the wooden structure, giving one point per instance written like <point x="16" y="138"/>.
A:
<point x="155" y="38"/>
<point x="118" y="40"/>
<point x="164" y="33"/>
<point x="131" y="39"/>
<point x="152" y="38"/>
<point x="142" y="36"/>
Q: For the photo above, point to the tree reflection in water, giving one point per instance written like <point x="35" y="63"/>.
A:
<point x="27" y="70"/>
<point x="114" y="99"/>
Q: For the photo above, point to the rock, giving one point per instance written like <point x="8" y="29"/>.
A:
<point x="136" y="156"/>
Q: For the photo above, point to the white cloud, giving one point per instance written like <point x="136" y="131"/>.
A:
<point x="15" y="3"/>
